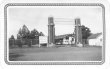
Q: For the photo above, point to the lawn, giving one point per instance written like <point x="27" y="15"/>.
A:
<point x="56" y="54"/>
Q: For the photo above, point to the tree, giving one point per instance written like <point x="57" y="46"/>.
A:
<point x="86" y="32"/>
<point x="12" y="37"/>
<point x="41" y="34"/>
<point x="34" y="34"/>
<point x="26" y="36"/>
<point x="18" y="36"/>
<point x="11" y="41"/>
<point x="24" y="32"/>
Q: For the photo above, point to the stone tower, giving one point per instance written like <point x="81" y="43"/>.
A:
<point x="78" y="33"/>
<point x="51" y="31"/>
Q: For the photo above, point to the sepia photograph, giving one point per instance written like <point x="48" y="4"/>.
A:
<point x="54" y="33"/>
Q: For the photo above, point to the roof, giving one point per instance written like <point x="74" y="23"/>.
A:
<point x="94" y="36"/>
<point x="63" y="36"/>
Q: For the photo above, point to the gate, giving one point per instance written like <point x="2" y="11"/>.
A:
<point x="75" y="38"/>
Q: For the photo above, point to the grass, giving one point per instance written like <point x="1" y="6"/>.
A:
<point x="56" y="54"/>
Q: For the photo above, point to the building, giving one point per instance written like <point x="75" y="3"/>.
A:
<point x="96" y="39"/>
<point x="65" y="39"/>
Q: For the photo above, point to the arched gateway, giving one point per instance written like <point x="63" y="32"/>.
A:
<point x="51" y="32"/>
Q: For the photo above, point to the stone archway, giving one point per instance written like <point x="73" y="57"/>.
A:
<point x="51" y="32"/>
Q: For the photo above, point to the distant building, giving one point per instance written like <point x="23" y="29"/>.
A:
<point x="96" y="39"/>
<point x="65" y="39"/>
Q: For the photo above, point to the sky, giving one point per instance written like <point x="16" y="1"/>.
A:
<point x="37" y="17"/>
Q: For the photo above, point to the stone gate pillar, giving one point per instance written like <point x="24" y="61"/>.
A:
<point x="78" y="33"/>
<point x="51" y="31"/>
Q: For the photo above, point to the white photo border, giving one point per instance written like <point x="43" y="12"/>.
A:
<point x="52" y="62"/>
